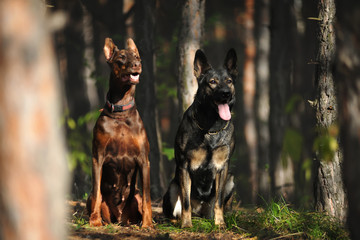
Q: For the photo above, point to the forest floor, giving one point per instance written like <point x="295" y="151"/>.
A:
<point x="79" y="228"/>
<point x="275" y="220"/>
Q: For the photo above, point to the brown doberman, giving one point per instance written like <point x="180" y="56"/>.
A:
<point x="120" y="147"/>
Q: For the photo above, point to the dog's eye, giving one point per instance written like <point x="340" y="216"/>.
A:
<point x="212" y="81"/>
<point x="228" y="81"/>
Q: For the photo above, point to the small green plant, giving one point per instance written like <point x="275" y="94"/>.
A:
<point x="79" y="220"/>
<point x="200" y="225"/>
<point x="326" y="145"/>
<point x="110" y="228"/>
<point x="168" y="151"/>
<point x="279" y="221"/>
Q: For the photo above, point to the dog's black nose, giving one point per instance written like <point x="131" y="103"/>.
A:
<point x="225" y="93"/>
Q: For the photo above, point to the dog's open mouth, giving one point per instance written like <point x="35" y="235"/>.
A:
<point x="132" y="77"/>
<point x="224" y="111"/>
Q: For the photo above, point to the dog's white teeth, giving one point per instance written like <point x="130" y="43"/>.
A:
<point x="134" y="77"/>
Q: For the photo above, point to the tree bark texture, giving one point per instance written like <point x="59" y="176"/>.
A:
<point x="262" y="95"/>
<point x="348" y="79"/>
<point x="329" y="190"/>
<point x="33" y="179"/>
<point x="281" y="170"/>
<point x="191" y="32"/>
<point x="249" y="87"/>
<point x="145" y="96"/>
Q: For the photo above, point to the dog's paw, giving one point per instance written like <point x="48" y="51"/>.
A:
<point x="95" y="220"/>
<point x="219" y="222"/>
<point x="186" y="223"/>
<point x="147" y="226"/>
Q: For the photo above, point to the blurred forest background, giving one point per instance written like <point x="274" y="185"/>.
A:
<point x="156" y="26"/>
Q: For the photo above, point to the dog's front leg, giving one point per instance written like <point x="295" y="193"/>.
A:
<point x="95" y="217"/>
<point x="185" y="185"/>
<point x="146" y="200"/>
<point x="219" y="197"/>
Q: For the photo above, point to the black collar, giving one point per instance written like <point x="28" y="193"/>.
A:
<point x="119" y="108"/>
<point x="210" y="132"/>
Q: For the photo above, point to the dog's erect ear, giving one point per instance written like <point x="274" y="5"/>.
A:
<point x="230" y="63"/>
<point x="201" y="64"/>
<point x="109" y="48"/>
<point x="131" y="45"/>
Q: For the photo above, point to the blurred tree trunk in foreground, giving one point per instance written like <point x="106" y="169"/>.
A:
<point x="191" y="32"/>
<point x="329" y="190"/>
<point x="348" y="79"/>
<point x="33" y="179"/>
<point x="146" y="99"/>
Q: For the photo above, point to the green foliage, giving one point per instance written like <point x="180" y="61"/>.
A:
<point x="79" y="140"/>
<point x="306" y="167"/>
<point x="292" y="103"/>
<point x="326" y="145"/>
<point x="292" y="146"/>
<point x="278" y="220"/>
<point x="200" y="225"/>
<point x="110" y="228"/>
<point x="79" y="221"/>
<point x="168" y="152"/>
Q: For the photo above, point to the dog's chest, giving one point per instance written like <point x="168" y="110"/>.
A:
<point x="122" y="138"/>
<point x="206" y="158"/>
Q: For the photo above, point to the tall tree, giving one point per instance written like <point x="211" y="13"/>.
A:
<point x="144" y="28"/>
<point x="33" y="179"/>
<point x="348" y="79"/>
<point x="262" y="16"/>
<point x="249" y="87"/>
<point x="191" y="31"/>
<point x="329" y="190"/>
<point x="281" y="60"/>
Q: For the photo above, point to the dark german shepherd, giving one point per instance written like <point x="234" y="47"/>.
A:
<point x="203" y="146"/>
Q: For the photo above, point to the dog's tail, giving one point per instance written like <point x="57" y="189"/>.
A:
<point x="172" y="202"/>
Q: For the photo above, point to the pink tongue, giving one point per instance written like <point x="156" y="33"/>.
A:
<point x="224" y="111"/>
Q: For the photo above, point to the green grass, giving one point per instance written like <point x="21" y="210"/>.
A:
<point x="276" y="221"/>
<point x="279" y="221"/>
<point x="200" y="225"/>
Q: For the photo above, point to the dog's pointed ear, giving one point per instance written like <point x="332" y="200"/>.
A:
<point x="131" y="45"/>
<point x="230" y="63"/>
<point x="201" y="64"/>
<point x="109" y="48"/>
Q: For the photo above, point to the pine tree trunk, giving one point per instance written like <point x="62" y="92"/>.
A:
<point x="146" y="97"/>
<point x="281" y="170"/>
<point x="33" y="179"/>
<point x="348" y="79"/>
<point x="249" y="85"/>
<point x="262" y="104"/>
<point x="329" y="190"/>
<point x="191" y="32"/>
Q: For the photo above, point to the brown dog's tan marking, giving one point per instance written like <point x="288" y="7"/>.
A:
<point x="120" y="147"/>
